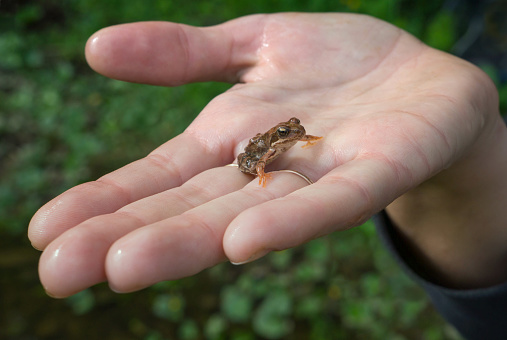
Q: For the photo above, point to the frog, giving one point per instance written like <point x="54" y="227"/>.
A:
<point x="266" y="147"/>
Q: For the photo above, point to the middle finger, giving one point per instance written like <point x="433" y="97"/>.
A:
<point x="184" y="245"/>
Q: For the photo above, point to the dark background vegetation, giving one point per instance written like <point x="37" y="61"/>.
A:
<point x="61" y="124"/>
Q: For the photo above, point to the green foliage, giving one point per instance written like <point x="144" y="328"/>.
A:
<point x="82" y="302"/>
<point x="169" y="306"/>
<point x="215" y="327"/>
<point x="494" y="74"/>
<point x="61" y="124"/>
<point x="272" y="318"/>
<point x="440" y="33"/>
<point x="236" y="304"/>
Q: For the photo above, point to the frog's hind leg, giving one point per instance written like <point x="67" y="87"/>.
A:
<point x="261" y="164"/>
<point x="263" y="177"/>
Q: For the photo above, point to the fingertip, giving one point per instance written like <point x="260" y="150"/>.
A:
<point x="46" y="224"/>
<point x="104" y="48"/>
<point x="143" y="52"/>
<point x="269" y="226"/>
<point x="136" y="261"/>
<point x="92" y="46"/>
<point x="168" y="250"/>
<point x="36" y="233"/>
<point x="245" y="238"/>
<point x="122" y="267"/>
<point x="71" y="264"/>
<point x="72" y="208"/>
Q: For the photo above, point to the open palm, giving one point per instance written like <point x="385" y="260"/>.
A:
<point x="393" y="113"/>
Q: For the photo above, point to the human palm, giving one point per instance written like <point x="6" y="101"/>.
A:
<point x="393" y="113"/>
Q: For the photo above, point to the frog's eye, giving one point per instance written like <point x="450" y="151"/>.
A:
<point x="283" y="131"/>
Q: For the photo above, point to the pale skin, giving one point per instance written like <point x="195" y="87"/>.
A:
<point x="393" y="112"/>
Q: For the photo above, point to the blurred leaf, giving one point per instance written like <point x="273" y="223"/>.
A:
<point x="236" y="304"/>
<point x="215" y="327"/>
<point x="503" y="99"/>
<point x="357" y="313"/>
<point x="82" y="302"/>
<point x="241" y="335"/>
<point x="29" y="14"/>
<point x="318" y="250"/>
<point x="188" y="330"/>
<point x="10" y="49"/>
<point x="281" y="259"/>
<point x="440" y="33"/>
<point x="310" y="271"/>
<point x="271" y="319"/>
<point x="169" y="306"/>
<point x="154" y="335"/>
<point x="310" y="306"/>
<point x="382" y="9"/>
<point x="411" y="310"/>
<point x="491" y="71"/>
<point x="371" y="285"/>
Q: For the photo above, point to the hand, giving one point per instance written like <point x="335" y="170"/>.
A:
<point x="393" y="113"/>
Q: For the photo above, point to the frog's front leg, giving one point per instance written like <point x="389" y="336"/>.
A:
<point x="261" y="164"/>
<point x="310" y="140"/>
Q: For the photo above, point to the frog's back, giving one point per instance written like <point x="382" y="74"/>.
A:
<point x="247" y="161"/>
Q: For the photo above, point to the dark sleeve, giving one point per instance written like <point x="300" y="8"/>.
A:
<point x="476" y="313"/>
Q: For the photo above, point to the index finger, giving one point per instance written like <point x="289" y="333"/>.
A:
<point x="168" y="166"/>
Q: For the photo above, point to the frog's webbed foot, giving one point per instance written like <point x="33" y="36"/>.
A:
<point x="261" y="164"/>
<point x="263" y="179"/>
<point x="310" y="140"/>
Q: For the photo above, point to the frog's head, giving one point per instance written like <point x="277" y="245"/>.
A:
<point x="287" y="134"/>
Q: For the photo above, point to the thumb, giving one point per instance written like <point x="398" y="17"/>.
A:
<point x="170" y="54"/>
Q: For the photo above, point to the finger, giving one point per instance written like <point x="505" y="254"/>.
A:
<point x="165" y="168"/>
<point x="186" y="244"/>
<point x="75" y="260"/>
<point x="164" y="53"/>
<point x="345" y="197"/>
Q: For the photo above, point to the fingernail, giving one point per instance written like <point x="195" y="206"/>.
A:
<point x="115" y="290"/>
<point x="252" y="258"/>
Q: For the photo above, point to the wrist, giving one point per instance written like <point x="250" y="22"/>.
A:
<point x="454" y="225"/>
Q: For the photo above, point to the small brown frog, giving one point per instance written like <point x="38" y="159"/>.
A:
<point x="265" y="148"/>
